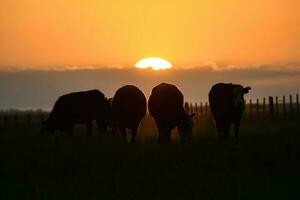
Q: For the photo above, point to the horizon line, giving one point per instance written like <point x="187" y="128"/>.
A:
<point x="206" y="66"/>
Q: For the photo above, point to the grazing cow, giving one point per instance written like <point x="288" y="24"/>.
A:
<point x="128" y="109"/>
<point x="227" y="106"/>
<point x="165" y="105"/>
<point x="78" y="108"/>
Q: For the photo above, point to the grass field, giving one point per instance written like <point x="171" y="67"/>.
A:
<point x="263" y="164"/>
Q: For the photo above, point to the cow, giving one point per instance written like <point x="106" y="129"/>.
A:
<point x="227" y="106"/>
<point x="78" y="108"/>
<point x="128" y="109"/>
<point x="165" y="105"/>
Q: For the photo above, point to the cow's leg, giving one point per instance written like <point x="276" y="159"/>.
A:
<point x="69" y="130"/>
<point x="123" y="134"/>
<point x="237" y="129"/>
<point x="133" y="135"/>
<point x="220" y="129"/>
<point x="89" y="127"/>
<point x="168" y="136"/>
<point x="160" y="132"/>
<point x="160" y="135"/>
<point x="102" y="127"/>
<point x="226" y="127"/>
<point x="43" y="131"/>
<point x="114" y="129"/>
<point x="183" y="137"/>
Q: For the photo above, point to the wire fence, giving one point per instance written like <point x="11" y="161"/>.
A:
<point x="271" y="107"/>
<point x="284" y="107"/>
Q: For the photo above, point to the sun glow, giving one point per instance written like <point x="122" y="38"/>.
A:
<point x="154" y="62"/>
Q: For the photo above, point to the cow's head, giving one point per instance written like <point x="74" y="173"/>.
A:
<point x="46" y="127"/>
<point x="185" y="127"/>
<point x="108" y="109"/>
<point x="238" y="96"/>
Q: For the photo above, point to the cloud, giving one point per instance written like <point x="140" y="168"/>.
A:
<point x="259" y="66"/>
<point x="210" y="65"/>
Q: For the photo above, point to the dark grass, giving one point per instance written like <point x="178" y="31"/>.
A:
<point x="263" y="164"/>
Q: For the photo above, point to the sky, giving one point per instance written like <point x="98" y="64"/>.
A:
<point x="53" y="34"/>
<point x="53" y="47"/>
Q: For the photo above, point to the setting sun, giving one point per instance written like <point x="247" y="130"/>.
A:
<point x="154" y="63"/>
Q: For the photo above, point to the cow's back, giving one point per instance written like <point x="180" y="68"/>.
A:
<point x="79" y="107"/>
<point x="86" y="104"/>
<point x="129" y="105"/>
<point x="166" y="102"/>
<point x="220" y="100"/>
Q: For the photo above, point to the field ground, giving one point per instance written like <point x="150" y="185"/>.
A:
<point x="263" y="164"/>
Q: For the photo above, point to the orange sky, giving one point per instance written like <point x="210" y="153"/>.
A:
<point x="120" y="32"/>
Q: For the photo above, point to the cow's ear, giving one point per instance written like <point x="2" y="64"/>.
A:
<point x="246" y="90"/>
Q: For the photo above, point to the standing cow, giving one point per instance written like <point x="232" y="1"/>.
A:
<point x="78" y="108"/>
<point x="128" y="109"/>
<point x="227" y="106"/>
<point x="166" y="107"/>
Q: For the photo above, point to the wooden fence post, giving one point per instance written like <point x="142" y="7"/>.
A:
<point x="191" y="108"/>
<point x="271" y="104"/>
<point x="196" y="109"/>
<point x="2" y="121"/>
<point x="5" y="121"/>
<point x="245" y="111"/>
<point x="283" y="106"/>
<point x="297" y="103"/>
<point x="250" y="109"/>
<point x="28" y="119"/>
<point x="264" y="106"/>
<point x="276" y="106"/>
<point x="206" y="109"/>
<point x="16" y="120"/>
<point x="201" y="108"/>
<point x="257" y="108"/>
<point x="186" y="107"/>
<point x="41" y="117"/>
<point x="291" y="104"/>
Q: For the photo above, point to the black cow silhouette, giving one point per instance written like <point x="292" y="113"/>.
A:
<point x="128" y="109"/>
<point x="166" y="107"/>
<point x="227" y="106"/>
<point x="78" y="108"/>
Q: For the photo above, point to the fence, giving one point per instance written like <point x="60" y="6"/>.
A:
<point x="21" y="119"/>
<point x="270" y="108"/>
